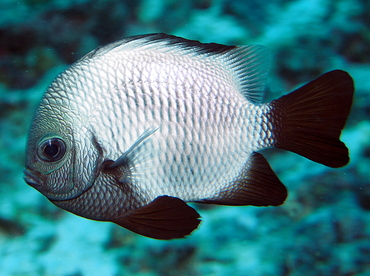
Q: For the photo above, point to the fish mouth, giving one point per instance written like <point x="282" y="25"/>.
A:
<point x="32" y="178"/>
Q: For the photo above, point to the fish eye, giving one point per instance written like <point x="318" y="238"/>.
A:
<point x="51" y="150"/>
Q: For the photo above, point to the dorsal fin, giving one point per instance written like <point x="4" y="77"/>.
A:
<point x="248" y="65"/>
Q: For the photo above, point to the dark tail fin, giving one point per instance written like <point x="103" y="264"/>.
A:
<point x="310" y="119"/>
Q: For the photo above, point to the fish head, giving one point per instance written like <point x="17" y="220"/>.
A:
<point x="58" y="155"/>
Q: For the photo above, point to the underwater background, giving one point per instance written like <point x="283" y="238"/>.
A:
<point x="322" y="229"/>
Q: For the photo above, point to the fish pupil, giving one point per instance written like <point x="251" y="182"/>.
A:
<point x="51" y="150"/>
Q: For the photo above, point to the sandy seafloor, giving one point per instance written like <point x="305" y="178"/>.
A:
<point x="322" y="229"/>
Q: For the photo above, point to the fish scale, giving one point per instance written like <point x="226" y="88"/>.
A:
<point x="137" y="128"/>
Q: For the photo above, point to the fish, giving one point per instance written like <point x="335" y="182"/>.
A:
<point x="137" y="129"/>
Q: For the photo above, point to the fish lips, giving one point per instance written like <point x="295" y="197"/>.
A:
<point x="40" y="182"/>
<point x="33" y="179"/>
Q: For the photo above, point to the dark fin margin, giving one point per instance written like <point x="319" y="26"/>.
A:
<point x="257" y="185"/>
<point x="164" y="218"/>
<point x="199" y="47"/>
<point x="165" y="39"/>
<point x="309" y="120"/>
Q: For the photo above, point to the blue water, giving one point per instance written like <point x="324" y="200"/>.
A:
<point x="322" y="229"/>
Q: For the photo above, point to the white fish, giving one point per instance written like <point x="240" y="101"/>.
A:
<point x="137" y="128"/>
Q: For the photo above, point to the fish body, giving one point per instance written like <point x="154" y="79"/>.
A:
<point x="135" y="129"/>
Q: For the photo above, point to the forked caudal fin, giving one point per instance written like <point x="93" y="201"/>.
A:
<point x="309" y="120"/>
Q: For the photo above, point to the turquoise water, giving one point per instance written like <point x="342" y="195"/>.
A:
<point x="322" y="229"/>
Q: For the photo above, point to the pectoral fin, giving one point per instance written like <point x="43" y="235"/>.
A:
<point x="130" y="154"/>
<point x="164" y="218"/>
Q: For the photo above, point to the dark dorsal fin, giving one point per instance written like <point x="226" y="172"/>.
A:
<point x="247" y="66"/>
<point x="257" y="185"/>
<point x="193" y="45"/>
<point x="164" y="218"/>
<point x="161" y="39"/>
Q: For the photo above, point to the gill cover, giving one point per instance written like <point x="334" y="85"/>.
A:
<point x="56" y="163"/>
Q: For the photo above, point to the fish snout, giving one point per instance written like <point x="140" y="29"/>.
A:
<point x="33" y="179"/>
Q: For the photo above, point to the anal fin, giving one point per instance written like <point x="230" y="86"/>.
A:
<point x="256" y="185"/>
<point x="164" y="218"/>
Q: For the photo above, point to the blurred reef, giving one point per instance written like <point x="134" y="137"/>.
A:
<point x="322" y="229"/>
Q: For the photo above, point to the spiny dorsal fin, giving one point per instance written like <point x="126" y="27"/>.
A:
<point x="164" y="218"/>
<point x="247" y="65"/>
<point x="257" y="185"/>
